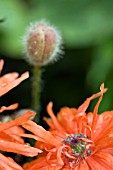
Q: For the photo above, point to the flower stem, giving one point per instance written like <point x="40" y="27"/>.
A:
<point x="36" y="91"/>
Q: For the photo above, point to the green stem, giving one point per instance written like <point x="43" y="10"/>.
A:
<point x="36" y="91"/>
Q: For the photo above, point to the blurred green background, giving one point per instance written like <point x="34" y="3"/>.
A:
<point x="87" y="31"/>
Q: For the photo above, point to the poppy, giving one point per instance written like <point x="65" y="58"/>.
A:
<point x="76" y="140"/>
<point x="11" y="132"/>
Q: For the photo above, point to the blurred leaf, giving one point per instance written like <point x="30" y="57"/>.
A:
<point x="102" y="63"/>
<point x="101" y="71"/>
<point x="12" y="29"/>
<point x="81" y="22"/>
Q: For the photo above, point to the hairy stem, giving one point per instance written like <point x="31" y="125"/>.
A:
<point x="36" y="91"/>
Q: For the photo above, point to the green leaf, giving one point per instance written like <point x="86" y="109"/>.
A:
<point x="81" y="22"/>
<point x="11" y="30"/>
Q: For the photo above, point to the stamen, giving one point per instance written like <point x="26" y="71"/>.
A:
<point x="81" y="147"/>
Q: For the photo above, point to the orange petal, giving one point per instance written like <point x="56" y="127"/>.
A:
<point x="85" y="105"/>
<point x="104" y="143"/>
<point x="93" y="164"/>
<point x="10" y="137"/>
<point x="67" y="118"/>
<point x="104" y="159"/>
<point x="53" y="117"/>
<point x="83" y="166"/>
<point x="13" y="84"/>
<point x="41" y="133"/>
<point x="1" y="64"/>
<point x="108" y="150"/>
<point x="7" y="164"/>
<point x="11" y="107"/>
<point x="38" y="164"/>
<point x="90" y="118"/>
<point x="19" y="148"/>
<point x="104" y="126"/>
<point x="49" y="122"/>
<point x="7" y="78"/>
<point x="19" y="121"/>
<point x="32" y="136"/>
<point x="95" y="112"/>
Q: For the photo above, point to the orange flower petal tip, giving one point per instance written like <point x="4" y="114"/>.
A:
<point x="102" y="88"/>
<point x="1" y="64"/>
<point x="50" y="105"/>
<point x="11" y="107"/>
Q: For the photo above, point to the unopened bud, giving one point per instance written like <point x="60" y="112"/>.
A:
<point x="42" y="44"/>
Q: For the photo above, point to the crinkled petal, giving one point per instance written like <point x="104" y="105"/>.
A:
<point x="8" y="164"/>
<point x="19" y="121"/>
<point x="95" y="112"/>
<point x="11" y="107"/>
<point x="67" y="118"/>
<point x="13" y="84"/>
<point x="90" y="118"/>
<point x="81" y="110"/>
<point x="104" y="159"/>
<point x="83" y="166"/>
<point x="10" y="137"/>
<point x="1" y="64"/>
<point x="41" y="133"/>
<point x="104" y="126"/>
<point x="7" y="78"/>
<point x="53" y="117"/>
<point x="49" y="122"/>
<point x="38" y="164"/>
<point x="108" y="150"/>
<point x="104" y="143"/>
<point x="32" y="137"/>
<point x="18" y="148"/>
<point x="93" y="164"/>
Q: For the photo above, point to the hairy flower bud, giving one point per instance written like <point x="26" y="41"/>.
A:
<point x="42" y="44"/>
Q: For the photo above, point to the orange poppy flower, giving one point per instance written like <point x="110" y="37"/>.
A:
<point x="76" y="140"/>
<point x="11" y="132"/>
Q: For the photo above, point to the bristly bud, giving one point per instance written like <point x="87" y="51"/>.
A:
<point x="42" y="44"/>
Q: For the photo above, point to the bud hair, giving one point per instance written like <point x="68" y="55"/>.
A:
<point x="42" y="43"/>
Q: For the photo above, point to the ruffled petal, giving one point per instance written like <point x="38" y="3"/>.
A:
<point x="10" y="137"/>
<point x="38" y="164"/>
<point x="11" y="107"/>
<point x="83" y="165"/>
<point x="41" y="133"/>
<point x="104" y="126"/>
<point x="18" y="148"/>
<point x="108" y="150"/>
<point x="8" y="164"/>
<point x="1" y="64"/>
<point x="94" y="165"/>
<point x="67" y="118"/>
<point x="13" y="84"/>
<point x="81" y="110"/>
<point x="95" y="112"/>
<point x="53" y="117"/>
<point x="8" y="78"/>
<point x="104" y="159"/>
<point x="19" y="121"/>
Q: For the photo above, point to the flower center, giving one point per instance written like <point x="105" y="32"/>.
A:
<point x="81" y="147"/>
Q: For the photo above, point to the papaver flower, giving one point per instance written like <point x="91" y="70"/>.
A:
<point x="11" y="132"/>
<point x="76" y="140"/>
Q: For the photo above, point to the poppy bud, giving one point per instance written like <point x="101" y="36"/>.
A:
<point x="42" y="44"/>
